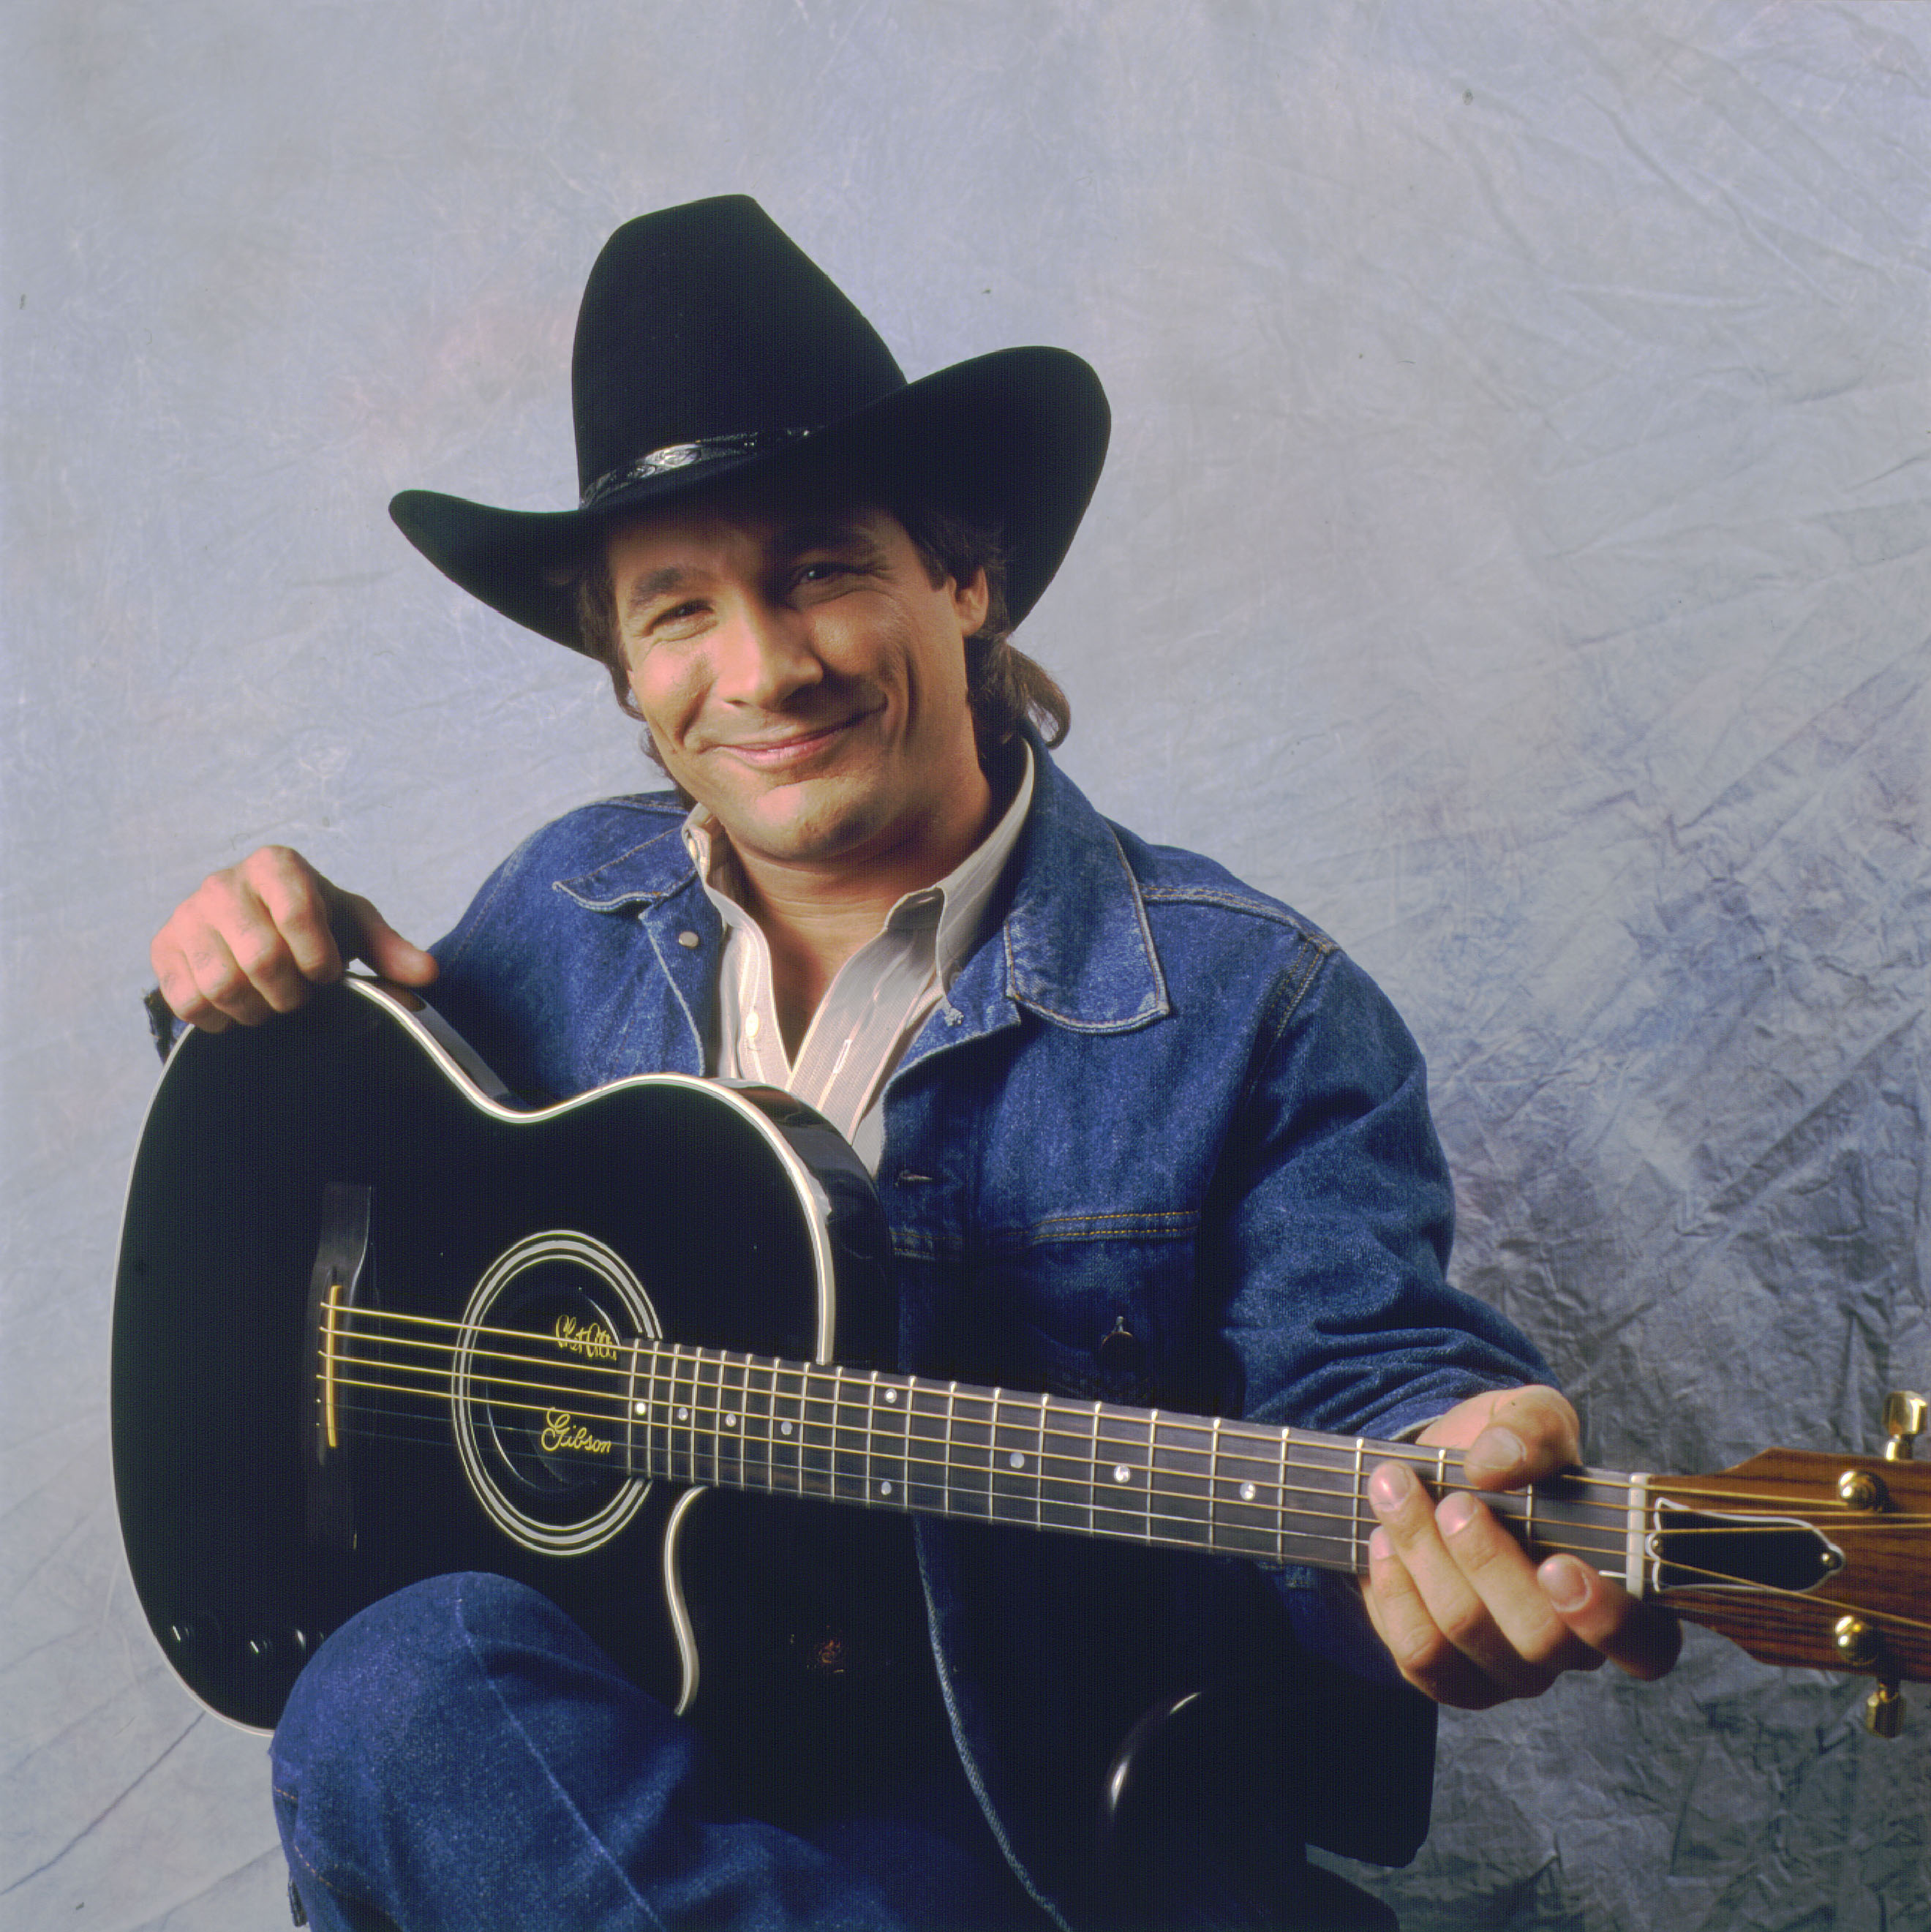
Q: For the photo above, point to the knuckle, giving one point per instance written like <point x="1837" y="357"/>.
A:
<point x="259" y="954"/>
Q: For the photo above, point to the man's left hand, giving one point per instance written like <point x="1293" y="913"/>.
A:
<point x="1467" y="1617"/>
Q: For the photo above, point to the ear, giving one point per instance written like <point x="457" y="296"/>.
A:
<point x="971" y="601"/>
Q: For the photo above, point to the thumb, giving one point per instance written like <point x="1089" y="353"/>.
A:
<point x="365" y="935"/>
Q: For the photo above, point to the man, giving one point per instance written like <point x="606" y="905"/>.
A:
<point x="1140" y="1132"/>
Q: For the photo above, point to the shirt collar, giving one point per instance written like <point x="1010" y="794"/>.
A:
<point x="956" y="908"/>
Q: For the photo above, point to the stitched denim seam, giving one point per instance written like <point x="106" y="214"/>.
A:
<point x="1155" y="1004"/>
<point x="1270" y="911"/>
<point x="320" y="1877"/>
<point x="1176" y="1224"/>
<point x="1291" y="990"/>
<point x="569" y="1803"/>
<point x="634" y="895"/>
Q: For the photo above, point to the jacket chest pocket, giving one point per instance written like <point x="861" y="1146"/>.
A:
<point x="1099" y="1313"/>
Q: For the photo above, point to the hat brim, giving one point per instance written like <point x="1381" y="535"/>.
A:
<point x="1016" y="438"/>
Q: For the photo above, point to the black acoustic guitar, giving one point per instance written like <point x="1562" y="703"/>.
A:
<point x="373" y="1322"/>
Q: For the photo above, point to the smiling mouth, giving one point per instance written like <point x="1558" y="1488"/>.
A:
<point x="775" y="753"/>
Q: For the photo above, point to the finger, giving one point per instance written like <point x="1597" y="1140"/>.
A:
<point x="1640" y="1638"/>
<point x="1518" y="1638"/>
<point x="177" y="982"/>
<point x="1530" y="1434"/>
<point x="203" y="981"/>
<point x="1410" y="1635"/>
<point x="1479" y="1589"/>
<point x="365" y="935"/>
<point x="290" y="928"/>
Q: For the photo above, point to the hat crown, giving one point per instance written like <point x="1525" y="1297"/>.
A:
<point x="707" y="322"/>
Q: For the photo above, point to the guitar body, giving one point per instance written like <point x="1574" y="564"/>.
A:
<point x="351" y="1140"/>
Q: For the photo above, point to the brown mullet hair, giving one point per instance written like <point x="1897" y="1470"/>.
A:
<point x="1005" y="687"/>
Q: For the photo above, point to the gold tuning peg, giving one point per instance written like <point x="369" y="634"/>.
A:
<point x="1905" y="1414"/>
<point x="1884" y="1711"/>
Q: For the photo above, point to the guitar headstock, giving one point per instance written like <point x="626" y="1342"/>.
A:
<point x="1805" y="1559"/>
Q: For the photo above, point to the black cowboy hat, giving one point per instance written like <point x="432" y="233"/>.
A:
<point x="708" y="345"/>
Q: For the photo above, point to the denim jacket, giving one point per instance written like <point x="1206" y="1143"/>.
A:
<point x="1161" y="1142"/>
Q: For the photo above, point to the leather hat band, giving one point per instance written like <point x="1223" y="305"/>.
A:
<point x="682" y="455"/>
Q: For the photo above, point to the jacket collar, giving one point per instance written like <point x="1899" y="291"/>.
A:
<point x="1074" y="947"/>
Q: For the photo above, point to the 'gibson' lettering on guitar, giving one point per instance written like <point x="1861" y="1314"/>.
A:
<point x="561" y="1432"/>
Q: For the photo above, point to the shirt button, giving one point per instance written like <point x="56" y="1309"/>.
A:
<point x="751" y="1024"/>
<point x="689" y="939"/>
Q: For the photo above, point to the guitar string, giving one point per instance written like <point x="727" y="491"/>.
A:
<point x="1578" y="1540"/>
<point x="1421" y="1458"/>
<point x="1268" y="1439"/>
<point x="770" y="1452"/>
<point x="1266" y="1443"/>
<point x="1351" y="1542"/>
<point x="707" y="1420"/>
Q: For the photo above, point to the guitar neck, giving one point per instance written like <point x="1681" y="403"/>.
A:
<point x="1265" y="1492"/>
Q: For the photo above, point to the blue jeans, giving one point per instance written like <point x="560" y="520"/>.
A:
<point x="460" y="1757"/>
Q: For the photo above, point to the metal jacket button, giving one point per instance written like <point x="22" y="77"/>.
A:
<point x="1119" y="1350"/>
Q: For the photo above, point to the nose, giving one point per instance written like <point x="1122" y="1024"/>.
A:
<point x="762" y="655"/>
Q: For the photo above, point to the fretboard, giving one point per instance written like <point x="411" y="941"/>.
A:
<point x="1266" y="1492"/>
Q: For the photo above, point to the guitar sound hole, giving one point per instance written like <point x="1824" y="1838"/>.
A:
<point x="541" y="1389"/>
<point x="553" y="1407"/>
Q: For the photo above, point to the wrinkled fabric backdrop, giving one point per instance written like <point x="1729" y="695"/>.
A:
<point x="1514" y="553"/>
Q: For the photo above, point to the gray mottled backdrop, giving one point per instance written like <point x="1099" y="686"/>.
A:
<point x="1514" y="553"/>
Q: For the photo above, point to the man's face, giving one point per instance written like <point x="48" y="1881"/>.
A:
<point x="803" y="677"/>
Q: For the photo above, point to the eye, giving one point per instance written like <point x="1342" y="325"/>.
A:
<point x="677" y="620"/>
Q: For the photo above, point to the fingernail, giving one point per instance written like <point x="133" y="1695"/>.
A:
<point x="1498" y="1452"/>
<point x="1564" y="1584"/>
<point x="1389" y="1487"/>
<point x="1456" y="1513"/>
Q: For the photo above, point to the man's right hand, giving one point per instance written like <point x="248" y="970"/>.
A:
<point x="255" y="937"/>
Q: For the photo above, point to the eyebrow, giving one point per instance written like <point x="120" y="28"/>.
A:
<point x="830" y="532"/>
<point x="648" y="590"/>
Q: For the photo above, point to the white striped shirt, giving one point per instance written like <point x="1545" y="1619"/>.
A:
<point x="879" y="997"/>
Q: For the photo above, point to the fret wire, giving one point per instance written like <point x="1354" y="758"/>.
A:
<point x="771" y="1436"/>
<point x="630" y="1413"/>
<point x="1213" y="1488"/>
<point x="838" y="1408"/>
<point x="1092" y="1477"/>
<point x="659" y="1414"/>
<point x="742" y="1391"/>
<point x="690" y="1407"/>
<point x="1040" y="1465"/>
<point x="1281" y="1501"/>
<point x="871" y="1418"/>
<point x="952" y="1401"/>
<point x="1153" y="1436"/>
<point x="1361" y="1547"/>
<point x="798" y="1378"/>
<point x="992" y="1462"/>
